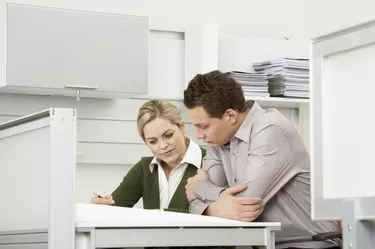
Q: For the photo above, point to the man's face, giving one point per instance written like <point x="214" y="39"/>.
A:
<point x="214" y="131"/>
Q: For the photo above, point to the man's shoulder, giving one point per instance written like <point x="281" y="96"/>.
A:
<point x="271" y="118"/>
<point x="272" y="123"/>
<point x="217" y="150"/>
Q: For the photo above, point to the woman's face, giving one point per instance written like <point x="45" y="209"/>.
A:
<point x="166" y="140"/>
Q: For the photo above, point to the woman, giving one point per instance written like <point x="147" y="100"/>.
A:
<point x="160" y="179"/>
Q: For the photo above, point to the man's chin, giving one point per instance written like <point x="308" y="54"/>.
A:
<point x="218" y="144"/>
<point x="214" y="145"/>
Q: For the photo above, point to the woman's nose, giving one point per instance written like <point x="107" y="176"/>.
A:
<point x="163" y="144"/>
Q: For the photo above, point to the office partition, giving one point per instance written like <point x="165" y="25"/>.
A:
<point x="342" y="131"/>
<point x="37" y="180"/>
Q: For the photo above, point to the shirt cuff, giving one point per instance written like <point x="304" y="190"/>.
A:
<point x="207" y="191"/>
<point x="197" y="207"/>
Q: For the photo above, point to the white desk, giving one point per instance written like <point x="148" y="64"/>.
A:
<point x="100" y="226"/>
<point x="110" y="237"/>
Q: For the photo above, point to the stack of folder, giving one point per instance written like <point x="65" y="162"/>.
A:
<point x="287" y="77"/>
<point x="253" y="84"/>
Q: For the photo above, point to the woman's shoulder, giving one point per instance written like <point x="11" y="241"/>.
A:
<point x="146" y="161"/>
<point x="143" y="163"/>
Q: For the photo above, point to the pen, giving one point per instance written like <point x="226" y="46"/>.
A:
<point x="99" y="196"/>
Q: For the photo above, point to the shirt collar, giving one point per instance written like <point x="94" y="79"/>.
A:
<point x="243" y="132"/>
<point x="192" y="156"/>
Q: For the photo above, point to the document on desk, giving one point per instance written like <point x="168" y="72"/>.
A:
<point x="93" y="215"/>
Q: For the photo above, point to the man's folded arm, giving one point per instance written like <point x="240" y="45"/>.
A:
<point x="268" y="168"/>
<point x="210" y="189"/>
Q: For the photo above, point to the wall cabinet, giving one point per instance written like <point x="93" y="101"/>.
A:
<point x="57" y="51"/>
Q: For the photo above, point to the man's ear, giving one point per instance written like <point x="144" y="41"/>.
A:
<point x="231" y="116"/>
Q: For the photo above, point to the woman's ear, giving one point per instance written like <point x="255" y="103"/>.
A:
<point x="182" y="126"/>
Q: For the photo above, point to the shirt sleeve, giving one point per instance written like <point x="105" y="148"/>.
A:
<point x="128" y="193"/>
<point x="210" y="189"/>
<point x="198" y="206"/>
<point x="269" y="163"/>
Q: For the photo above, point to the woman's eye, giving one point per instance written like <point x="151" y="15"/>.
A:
<point x="152" y="142"/>
<point x="169" y="135"/>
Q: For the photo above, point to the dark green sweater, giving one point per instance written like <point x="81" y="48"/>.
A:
<point x="141" y="182"/>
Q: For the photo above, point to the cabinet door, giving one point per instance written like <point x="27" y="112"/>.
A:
<point x="60" y="48"/>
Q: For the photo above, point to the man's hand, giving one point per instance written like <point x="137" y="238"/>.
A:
<point x="192" y="182"/>
<point x="105" y="200"/>
<point x="235" y="208"/>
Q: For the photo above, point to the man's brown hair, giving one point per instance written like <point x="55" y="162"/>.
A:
<point x="216" y="92"/>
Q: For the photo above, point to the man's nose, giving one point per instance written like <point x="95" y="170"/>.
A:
<point x="199" y="134"/>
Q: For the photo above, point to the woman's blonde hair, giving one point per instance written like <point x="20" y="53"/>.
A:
<point x="154" y="109"/>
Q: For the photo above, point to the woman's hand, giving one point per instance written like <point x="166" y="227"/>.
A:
<point x="104" y="200"/>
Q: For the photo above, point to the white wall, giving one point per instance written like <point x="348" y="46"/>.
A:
<point x="295" y="19"/>
<point x="98" y="178"/>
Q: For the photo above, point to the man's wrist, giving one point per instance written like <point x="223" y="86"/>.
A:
<point x="208" y="210"/>
<point x="221" y="192"/>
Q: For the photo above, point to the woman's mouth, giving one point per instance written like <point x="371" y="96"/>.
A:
<point x="168" y="153"/>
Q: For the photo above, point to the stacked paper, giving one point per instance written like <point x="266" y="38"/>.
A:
<point x="286" y="77"/>
<point x="253" y="84"/>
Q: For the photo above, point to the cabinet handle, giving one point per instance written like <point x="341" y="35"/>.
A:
<point x="81" y="87"/>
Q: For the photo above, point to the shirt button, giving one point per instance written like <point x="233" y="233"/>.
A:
<point x="233" y="154"/>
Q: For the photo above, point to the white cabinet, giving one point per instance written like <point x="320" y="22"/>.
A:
<point x="57" y="51"/>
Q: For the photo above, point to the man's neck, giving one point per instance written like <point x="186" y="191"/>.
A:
<point x="241" y="118"/>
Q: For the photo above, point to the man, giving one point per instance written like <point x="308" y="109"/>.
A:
<point x="256" y="153"/>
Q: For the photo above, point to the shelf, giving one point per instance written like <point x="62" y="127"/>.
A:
<point x="263" y="101"/>
<point x="279" y="102"/>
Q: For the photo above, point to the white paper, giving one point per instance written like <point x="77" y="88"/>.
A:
<point x="92" y="215"/>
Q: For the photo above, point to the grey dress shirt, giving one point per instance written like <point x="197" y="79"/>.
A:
<point x="268" y="155"/>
